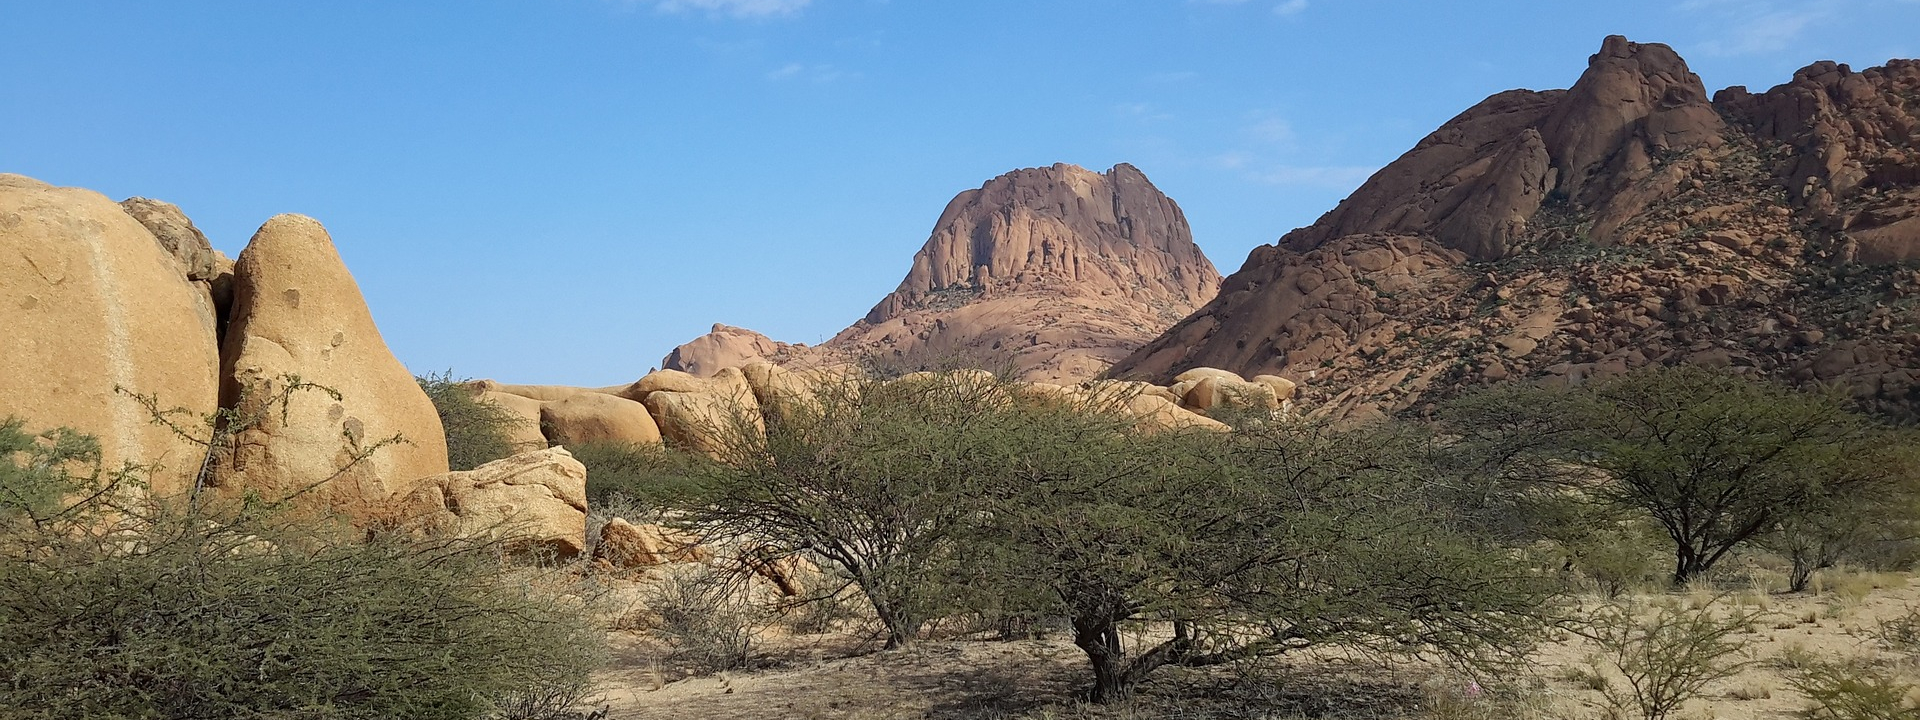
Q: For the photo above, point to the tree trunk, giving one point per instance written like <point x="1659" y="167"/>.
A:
<point x="890" y="610"/>
<point x="1689" y="563"/>
<point x="1802" y="574"/>
<point x="1099" y="638"/>
<point x="900" y="631"/>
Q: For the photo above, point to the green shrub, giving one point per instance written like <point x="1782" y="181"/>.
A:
<point x="109" y="609"/>
<point x="1617" y="559"/>
<point x="1855" y="691"/>
<point x="645" y="475"/>
<point x="478" y="431"/>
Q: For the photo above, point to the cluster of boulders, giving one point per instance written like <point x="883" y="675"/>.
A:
<point x="124" y="323"/>
<point x="707" y="414"/>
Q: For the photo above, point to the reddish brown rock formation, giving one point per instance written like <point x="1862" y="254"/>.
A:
<point x="1053" y="273"/>
<point x="1620" y="223"/>
<point x="1056" y="271"/>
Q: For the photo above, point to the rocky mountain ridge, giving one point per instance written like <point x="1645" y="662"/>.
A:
<point x="1056" y="272"/>
<point x="1626" y="221"/>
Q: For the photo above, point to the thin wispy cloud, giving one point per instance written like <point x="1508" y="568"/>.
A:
<point x="1142" y="112"/>
<point x="819" y="74"/>
<point x="733" y="8"/>
<point x="1768" y="33"/>
<point x="1290" y="7"/>
<point x="1270" y="130"/>
<point x="1749" y="28"/>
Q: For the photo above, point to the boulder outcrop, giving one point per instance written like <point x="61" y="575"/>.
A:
<point x="532" y="501"/>
<point x="727" y="347"/>
<point x="93" y="303"/>
<point x="297" y="312"/>
<point x="625" y="545"/>
<point x="597" y="417"/>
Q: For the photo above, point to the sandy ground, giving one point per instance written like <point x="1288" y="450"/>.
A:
<point x="839" y="676"/>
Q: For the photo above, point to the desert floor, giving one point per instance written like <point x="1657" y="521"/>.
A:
<point x="838" y="675"/>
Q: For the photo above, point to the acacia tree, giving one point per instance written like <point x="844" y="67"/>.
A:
<point x="862" y="474"/>
<point x="1716" y="459"/>
<point x="1249" y="545"/>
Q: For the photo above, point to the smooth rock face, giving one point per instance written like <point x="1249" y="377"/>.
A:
<point x="297" y="311"/>
<point x="706" y="422"/>
<point x="92" y="301"/>
<point x="597" y="417"/>
<point x="526" y="433"/>
<point x="1564" y="235"/>
<point x="534" y="500"/>
<point x="542" y="393"/>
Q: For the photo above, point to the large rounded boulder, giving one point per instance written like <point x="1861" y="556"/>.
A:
<point x="93" y="303"/>
<point x="297" y="313"/>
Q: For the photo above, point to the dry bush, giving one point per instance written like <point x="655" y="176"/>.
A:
<point x="1665" y="655"/>
<point x="1901" y="633"/>
<point x="705" y="616"/>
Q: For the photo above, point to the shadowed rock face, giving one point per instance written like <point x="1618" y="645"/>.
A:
<point x="1623" y="222"/>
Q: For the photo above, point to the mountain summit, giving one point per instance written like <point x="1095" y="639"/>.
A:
<point x="1623" y="222"/>
<point x="1053" y="272"/>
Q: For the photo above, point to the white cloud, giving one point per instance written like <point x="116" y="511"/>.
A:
<point x="735" y="8"/>
<point x="820" y="73"/>
<point x="1290" y="7"/>
<point x="1750" y="27"/>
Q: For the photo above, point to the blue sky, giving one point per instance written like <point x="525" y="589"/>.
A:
<point x="562" y="190"/>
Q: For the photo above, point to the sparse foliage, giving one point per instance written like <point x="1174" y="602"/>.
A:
<point x="705" y="617"/>
<point x="1664" y="654"/>
<point x="478" y="430"/>
<point x="1856" y="691"/>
